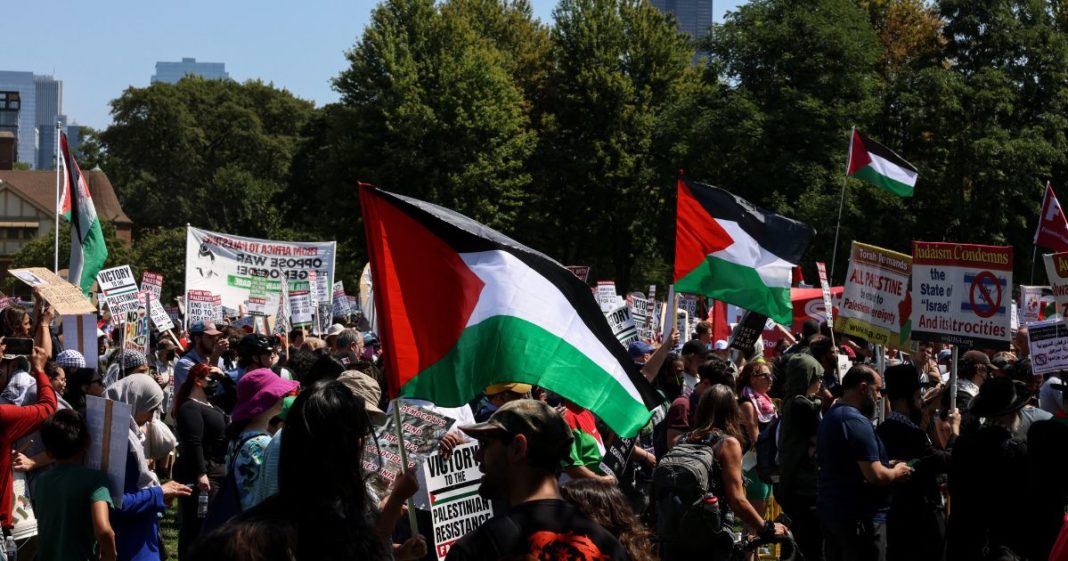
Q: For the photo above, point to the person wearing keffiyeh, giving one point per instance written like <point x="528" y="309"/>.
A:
<point x="758" y="412"/>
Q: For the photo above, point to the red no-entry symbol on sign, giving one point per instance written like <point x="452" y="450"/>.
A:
<point x="985" y="294"/>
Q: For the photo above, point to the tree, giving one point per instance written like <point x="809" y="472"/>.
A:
<point x="40" y="251"/>
<point x="213" y="153"/>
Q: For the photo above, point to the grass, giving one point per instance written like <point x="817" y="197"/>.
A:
<point x="169" y="531"/>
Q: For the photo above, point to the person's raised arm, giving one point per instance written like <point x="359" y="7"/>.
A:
<point x="18" y="421"/>
<point x="43" y="315"/>
<point x="652" y="367"/>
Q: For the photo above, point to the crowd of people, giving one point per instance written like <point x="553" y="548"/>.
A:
<point x="257" y="440"/>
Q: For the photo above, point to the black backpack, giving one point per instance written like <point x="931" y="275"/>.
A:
<point x="684" y="477"/>
<point x="767" y="452"/>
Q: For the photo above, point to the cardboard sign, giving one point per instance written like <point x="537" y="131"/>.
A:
<point x="120" y="292"/>
<point x="423" y="430"/>
<point x="580" y="271"/>
<point x="109" y="429"/>
<point x="874" y="303"/>
<point x="1048" y="342"/>
<point x="79" y="334"/>
<point x="160" y="318"/>
<point x="749" y="329"/>
<point x="300" y="307"/>
<point x="622" y="325"/>
<point x="225" y="265"/>
<point x="961" y="294"/>
<point x="152" y="282"/>
<point x="62" y="295"/>
<point x="199" y="306"/>
<point x="455" y="506"/>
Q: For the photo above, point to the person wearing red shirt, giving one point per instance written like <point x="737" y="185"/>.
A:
<point x="17" y="421"/>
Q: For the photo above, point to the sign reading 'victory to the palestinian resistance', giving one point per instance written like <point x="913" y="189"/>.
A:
<point x="961" y="294"/>
<point x="225" y="265"/>
<point x="455" y="506"/>
<point x="875" y="302"/>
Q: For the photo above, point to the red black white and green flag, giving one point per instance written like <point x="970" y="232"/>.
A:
<point x="88" y="251"/>
<point x="731" y="250"/>
<point x="461" y="306"/>
<point x="881" y="166"/>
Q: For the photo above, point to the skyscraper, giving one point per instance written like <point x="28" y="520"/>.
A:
<point x="171" y="72"/>
<point x="19" y="114"/>
<point x="48" y="110"/>
<point x="693" y="16"/>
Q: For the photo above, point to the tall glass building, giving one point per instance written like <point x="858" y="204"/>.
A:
<point x="171" y="72"/>
<point x="693" y="16"/>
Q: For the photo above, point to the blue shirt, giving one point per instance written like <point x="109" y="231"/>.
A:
<point x="136" y="523"/>
<point x="182" y="367"/>
<point x="845" y="438"/>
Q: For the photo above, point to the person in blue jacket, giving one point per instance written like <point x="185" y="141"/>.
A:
<point x="136" y="521"/>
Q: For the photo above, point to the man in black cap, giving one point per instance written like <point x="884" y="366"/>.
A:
<point x="974" y="369"/>
<point x="916" y="522"/>
<point x="522" y="447"/>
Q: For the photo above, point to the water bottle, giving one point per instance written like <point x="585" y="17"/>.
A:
<point x="202" y="504"/>
<point x="702" y="517"/>
<point x="11" y="551"/>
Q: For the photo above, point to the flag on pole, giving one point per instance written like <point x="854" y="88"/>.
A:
<point x="729" y="249"/>
<point x="87" y="250"/>
<point x="1052" y="231"/>
<point x="462" y="307"/>
<point x="881" y="166"/>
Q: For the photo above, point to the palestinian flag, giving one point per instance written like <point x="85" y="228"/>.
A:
<point x="87" y="250"/>
<point x="462" y="307"/>
<point x="728" y="249"/>
<point x="879" y="165"/>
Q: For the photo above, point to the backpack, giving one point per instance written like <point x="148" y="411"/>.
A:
<point x="227" y="502"/>
<point x="684" y="476"/>
<point x="767" y="451"/>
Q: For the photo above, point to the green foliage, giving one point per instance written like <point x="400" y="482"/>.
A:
<point x="40" y="251"/>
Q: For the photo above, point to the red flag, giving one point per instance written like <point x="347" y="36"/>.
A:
<point x="1052" y="232"/>
<point x="721" y="327"/>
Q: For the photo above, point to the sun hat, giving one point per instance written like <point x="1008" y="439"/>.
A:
<point x="367" y="388"/>
<point x="258" y="390"/>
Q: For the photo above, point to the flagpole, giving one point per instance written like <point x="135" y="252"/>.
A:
<point x="55" y="263"/>
<point x="841" y="203"/>
<point x="1034" y="253"/>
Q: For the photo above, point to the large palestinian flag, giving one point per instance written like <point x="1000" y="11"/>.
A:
<point x="728" y="249"/>
<point x="461" y="306"/>
<point x="88" y="251"/>
<point x="877" y="164"/>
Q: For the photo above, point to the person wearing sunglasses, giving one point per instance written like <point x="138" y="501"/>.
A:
<point x="852" y="499"/>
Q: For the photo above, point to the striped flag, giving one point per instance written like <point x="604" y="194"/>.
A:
<point x="87" y="249"/>
<point x="879" y="165"/>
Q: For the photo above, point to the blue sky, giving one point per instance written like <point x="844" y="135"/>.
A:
<point x="100" y="48"/>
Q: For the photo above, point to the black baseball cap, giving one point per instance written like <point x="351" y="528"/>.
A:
<point x="694" y="347"/>
<point x="546" y="431"/>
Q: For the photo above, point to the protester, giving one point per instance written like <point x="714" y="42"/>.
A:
<point x="796" y="488"/>
<point x="71" y="501"/>
<point x="522" y="447"/>
<point x="83" y="382"/>
<point x="136" y="521"/>
<point x="606" y="505"/>
<point x="330" y="337"/>
<point x="987" y="516"/>
<point x="916" y="522"/>
<point x="679" y="419"/>
<point x="259" y="399"/>
<point x="854" y="470"/>
<point x="703" y="332"/>
<point x="972" y="372"/>
<point x="161" y="365"/>
<point x="254" y="351"/>
<point x="1049" y="399"/>
<point x="694" y="355"/>
<point x="130" y="362"/>
<point x="1022" y="372"/>
<point x="202" y="437"/>
<point x="1047" y="456"/>
<point x="306" y="521"/>
<point x="499" y="394"/>
<point x="207" y="346"/>
<point x="757" y="413"/>
<point x="348" y="347"/>
<point x="587" y="446"/>
<point x="1020" y="343"/>
<point x="20" y="388"/>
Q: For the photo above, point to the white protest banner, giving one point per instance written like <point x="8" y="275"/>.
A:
<point x="79" y="334"/>
<point x="224" y="264"/>
<point x="62" y="295"/>
<point x="961" y="294"/>
<point x="641" y="309"/>
<point x="876" y="287"/>
<point x="199" y="306"/>
<point x="1048" y="342"/>
<point x="367" y="298"/>
<point x="300" y="307"/>
<point x="120" y="291"/>
<point x="455" y="505"/>
<point x="109" y="429"/>
<point x="160" y="318"/>
<point x="622" y="324"/>
<point x="1057" y="272"/>
<point x="828" y="306"/>
<point x="341" y="302"/>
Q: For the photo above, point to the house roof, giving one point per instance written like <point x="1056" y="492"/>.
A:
<point x="39" y="186"/>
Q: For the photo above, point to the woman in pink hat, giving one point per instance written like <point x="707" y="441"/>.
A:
<point x="259" y="399"/>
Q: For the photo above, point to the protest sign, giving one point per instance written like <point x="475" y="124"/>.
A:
<point x="455" y="505"/>
<point x="160" y="318"/>
<point x="825" y="287"/>
<point x="22" y="513"/>
<point x="423" y="430"/>
<point x="120" y="291"/>
<point x="616" y="456"/>
<point x="341" y="302"/>
<point x="367" y="298"/>
<point x="199" y="306"/>
<point x="622" y="324"/>
<point x="135" y="333"/>
<point x="874" y="301"/>
<point x="745" y="334"/>
<point x="109" y="429"/>
<point x="1048" y="342"/>
<point x="605" y="294"/>
<point x="961" y="294"/>
<point x="224" y="264"/>
<point x="62" y="295"/>
<point x="1057" y="272"/>
<point x="152" y="282"/>
<point x="300" y="307"/>
<point x="258" y="301"/>
<point x="580" y="271"/>
<point x="79" y="334"/>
